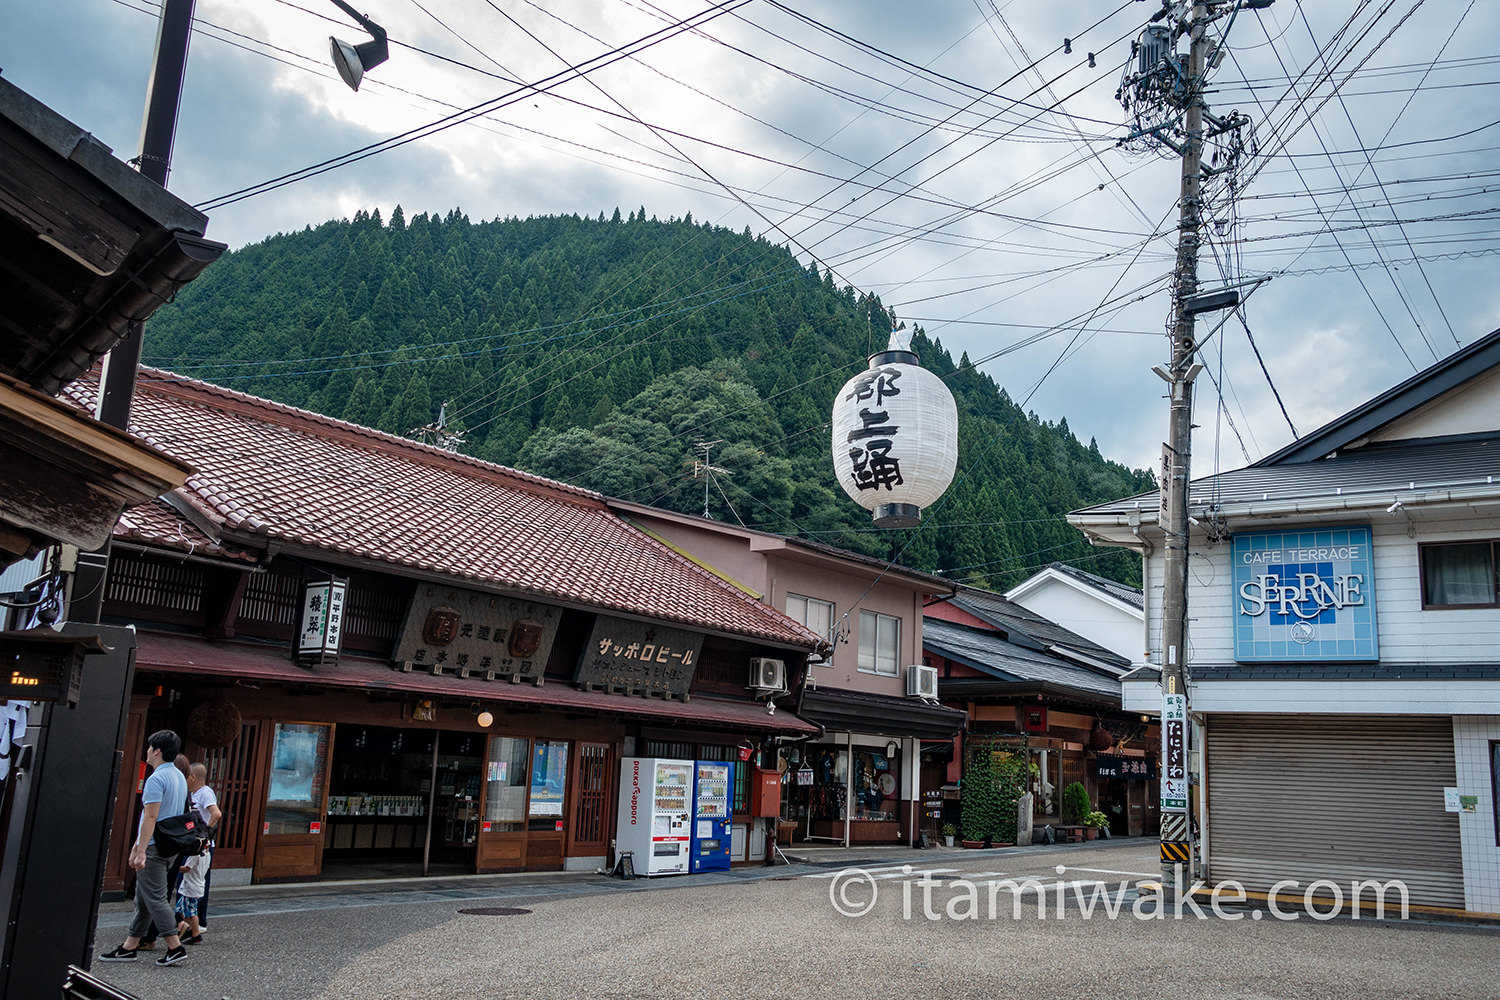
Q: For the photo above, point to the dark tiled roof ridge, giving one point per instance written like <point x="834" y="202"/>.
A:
<point x="1037" y="628"/>
<point x="1082" y="574"/>
<point x="1111" y="588"/>
<point x="977" y="647"/>
<point x="170" y="383"/>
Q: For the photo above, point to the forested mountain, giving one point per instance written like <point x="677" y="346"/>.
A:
<point x="616" y="353"/>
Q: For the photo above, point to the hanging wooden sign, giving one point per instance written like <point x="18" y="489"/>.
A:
<point x="640" y="658"/>
<point x="467" y="633"/>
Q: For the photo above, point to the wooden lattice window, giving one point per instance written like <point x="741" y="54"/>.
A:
<point x="151" y="590"/>
<point x="669" y="749"/>
<point x="374" y="611"/>
<point x="271" y="604"/>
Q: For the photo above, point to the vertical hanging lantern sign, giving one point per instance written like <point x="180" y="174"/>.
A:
<point x="322" y="622"/>
<point x="895" y="436"/>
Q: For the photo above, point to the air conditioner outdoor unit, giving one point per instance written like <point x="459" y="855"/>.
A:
<point x="767" y="674"/>
<point x="921" y="682"/>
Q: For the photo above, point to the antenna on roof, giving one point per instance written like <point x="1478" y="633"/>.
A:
<point x="707" y="470"/>
<point x="437" y="433"/>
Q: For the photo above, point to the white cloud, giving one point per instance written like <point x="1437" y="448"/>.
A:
<point x="823" y="104"/>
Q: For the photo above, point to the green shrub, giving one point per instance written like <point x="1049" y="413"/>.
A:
<point x="1075" y="803"/>
<point x="994" y="779"/>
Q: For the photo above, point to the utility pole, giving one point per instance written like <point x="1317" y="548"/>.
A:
<point x="117" y="376"/>
<point x="437" y="434"/>
<point x="1164" y="93"/>
<point x="1176" y="816"/>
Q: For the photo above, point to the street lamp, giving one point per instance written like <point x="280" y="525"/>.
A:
<point x="353" y="60"/>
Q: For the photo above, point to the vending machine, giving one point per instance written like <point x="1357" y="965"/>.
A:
<point x="712" y="784"/>
<point x="655" y="814"/>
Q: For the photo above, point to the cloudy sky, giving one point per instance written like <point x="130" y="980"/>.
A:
<point x="957" y="158"/>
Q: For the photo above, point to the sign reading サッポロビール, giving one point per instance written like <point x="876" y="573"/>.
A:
<point x="1304" y="595"/>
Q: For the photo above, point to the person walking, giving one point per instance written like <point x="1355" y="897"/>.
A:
<point x="189" y="894"/>
<point x="164" y="794"/>
<point x="148" y="943"/>
<point x="206" y="803"/>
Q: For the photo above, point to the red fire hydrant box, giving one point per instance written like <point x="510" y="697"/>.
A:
<point x="765" y="793"/>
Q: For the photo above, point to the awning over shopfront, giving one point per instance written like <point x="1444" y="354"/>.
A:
<point x="854" y="711"/>
<point x="242" y="662"/>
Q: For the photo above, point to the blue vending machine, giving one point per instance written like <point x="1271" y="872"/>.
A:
<point x="712" y="785"/>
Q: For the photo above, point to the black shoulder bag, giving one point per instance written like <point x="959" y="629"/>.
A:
<point x="183" y="836"/>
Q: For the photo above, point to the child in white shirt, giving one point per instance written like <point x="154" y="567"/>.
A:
<point x="189" y="891"/>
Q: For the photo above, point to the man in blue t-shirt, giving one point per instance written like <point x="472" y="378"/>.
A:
<point x="164" y="794"/>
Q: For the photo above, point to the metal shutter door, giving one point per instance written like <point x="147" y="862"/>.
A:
<point x="1310" y="797"/>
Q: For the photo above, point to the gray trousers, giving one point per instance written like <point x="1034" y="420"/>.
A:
<point x="151" y="902"/>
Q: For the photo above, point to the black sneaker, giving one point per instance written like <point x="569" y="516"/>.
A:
<point x="120" y="954"/>
<point x="173" y="956"/>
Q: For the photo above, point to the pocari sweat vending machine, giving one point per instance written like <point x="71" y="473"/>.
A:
<point x="655" y="814"/>
<point x="712" y="784"/>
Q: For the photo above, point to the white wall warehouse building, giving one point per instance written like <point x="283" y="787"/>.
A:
<point x="1343" y="636"/>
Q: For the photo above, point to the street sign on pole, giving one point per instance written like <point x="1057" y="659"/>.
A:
<point x="1174" y="781"/>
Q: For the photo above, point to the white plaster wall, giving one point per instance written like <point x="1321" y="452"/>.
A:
<point x="1468" y="409"/>
<point x="1094" y="618"/>
<point x="1408" y="634"/>
<point x="1476" y="830"/>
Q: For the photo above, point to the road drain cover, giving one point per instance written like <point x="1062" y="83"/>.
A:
<point x="494" y="911"/>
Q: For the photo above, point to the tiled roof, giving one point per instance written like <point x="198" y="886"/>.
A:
<point x="158" y="525"/>
<point x="268" y="474"/>
<point x="1012" y="617"/>
<point x="1005" y="661"/>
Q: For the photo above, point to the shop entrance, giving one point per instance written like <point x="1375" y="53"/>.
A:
<point x="402" y="802"/>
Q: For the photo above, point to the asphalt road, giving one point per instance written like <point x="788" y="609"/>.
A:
<point x="774" y="933"/>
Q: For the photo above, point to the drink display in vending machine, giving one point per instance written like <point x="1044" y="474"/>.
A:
<point x="711" y="799"/>
<point x="655" y="814"/>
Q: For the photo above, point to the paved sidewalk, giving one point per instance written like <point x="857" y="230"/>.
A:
<point x="294" y="897"/>
<point x="817" y="926"/>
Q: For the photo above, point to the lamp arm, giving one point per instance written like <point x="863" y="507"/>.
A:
<point x="364" y="22"/>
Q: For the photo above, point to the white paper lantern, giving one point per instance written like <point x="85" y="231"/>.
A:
<point x="895" y="437"/>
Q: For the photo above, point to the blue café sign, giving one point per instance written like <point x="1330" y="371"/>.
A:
<point x="1304" y="596"/>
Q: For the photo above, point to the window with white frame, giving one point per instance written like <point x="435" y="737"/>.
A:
<point x="1459" y="575"/>
<point x="815" y="614"/>
<point x="879" y="642"/>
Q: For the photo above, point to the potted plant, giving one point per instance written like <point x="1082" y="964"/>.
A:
<point x="1094" y="822"/>
<point x="949" y="832"/>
